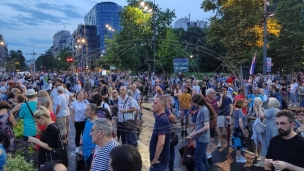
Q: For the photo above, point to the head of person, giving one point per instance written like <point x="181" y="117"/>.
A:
<point x="240" y="103"/>
<point x="200" y="100"/>
<point x="3" y="81"/>
<point x="97" y="99"/>
<point x="159" y="104"/>
<point x="257" y="101"/>
<point x="60" y="89"/>
<point x="261" y="91"/>
<point x="273" y="103"/>
<point x="241" y="91"/>
<point x="91" y="110"/>
<point x="264" y="85"/>
<point x="58" y="82"/>
<point x="79" y="95"/>
<point x="285" y="121"/>
<point x="255" y="90"/>
<point x="101" y="130"/>
<point x="30" y="94"/>
<point x="159" y="91"/>
<point x="44" y="101"/>
<point x="53" y="166"/>
<point x="42" y="115"/>
<point x="210" y="93"/>
<point x="125" y="158"/>
<point x="177" y="86"/>
<point x="4" y="139"/>
<point x="300" y="115"/>
<point x="42" y="93"/>
<point x="186" y="89"/>
<point x="85" y="95"/>
<point x="130" y="93"/>
<point x="133" y="87"/>
<point x="224" y="90"/>
<point x="123" y="91"/>
<point x="115" y="94"/>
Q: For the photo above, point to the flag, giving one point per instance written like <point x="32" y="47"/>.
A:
<point x="251" y="72"/>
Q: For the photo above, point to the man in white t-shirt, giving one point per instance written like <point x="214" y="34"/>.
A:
<point x="62" y="112"/>
<point x="54" y="93"/>
<point x="293" y="89"/>
<point x="196" y="87"/>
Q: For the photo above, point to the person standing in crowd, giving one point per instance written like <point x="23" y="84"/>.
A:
<point x="3" y="90"/>
<point x="196" y="87"/>
<point x="293" y="89"/>
<point x="286" y="150"/>
<point x="88" y="147"/>
<point x="114" y="112"/>
<point x="299" y="128"/>
<point x="185" y="106"/>
<point x="204" y="88"/>
<point x="271" y="129"/>
<point x="101" y="133"/>
<point x="225" y="109"/>
<point x="49" y="138"/>
<point x="177" y="92"/>
<point x="201" y="133"/>
<point x="77" y="111"/>
<point x="265" y="98"/>
<point x="301" y="94"/>
<point x="125" y="158"/>
<point x="104" y="91"/>
<point x="239" y="132"/>
<point x="77" y="86"/>
<point x="125" y="113"/>
<point x="254" y="95"/>
<point x="26" y="112"/>
<point x="241" y="95"/>
<point x="160" y="139"/>
<point x="4" y="148"/>
<point x="87" y="86"/>
<point x="62" y="112"/>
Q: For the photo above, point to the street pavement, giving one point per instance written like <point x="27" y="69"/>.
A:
<point x="223" y="159"/>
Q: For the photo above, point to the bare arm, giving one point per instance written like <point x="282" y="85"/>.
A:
<point x="12" y="120"/>
<point x="16" y="108"/>
<point x="40" y="143"/>
<point x="72" y="111"/>
<point x="159" y="147"/>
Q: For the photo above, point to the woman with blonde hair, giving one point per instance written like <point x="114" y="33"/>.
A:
<point x="49" y="138"/>
<point x="271" y="129"/>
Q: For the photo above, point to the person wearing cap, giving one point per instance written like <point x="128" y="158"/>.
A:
<point x="26" y="112"/>
<point x="62" y="112"/>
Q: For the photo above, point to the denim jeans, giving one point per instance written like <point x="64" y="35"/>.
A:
<point x="302" y="103"/>
<point x="176" y="104"/>
<point x="128" y="137"/>
<point x="172" y="157"/>
<point x="293" y="98"/>
<point x="200" y="159"/>
<point x="159" y="167"/>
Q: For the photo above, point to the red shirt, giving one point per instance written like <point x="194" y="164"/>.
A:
<point x="240" y="96"/>
<point x="230" y="80"/>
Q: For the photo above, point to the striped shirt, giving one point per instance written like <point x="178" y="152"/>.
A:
<point x="102" y="156"/>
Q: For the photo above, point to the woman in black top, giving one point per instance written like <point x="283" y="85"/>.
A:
<point x="49" y="138"/>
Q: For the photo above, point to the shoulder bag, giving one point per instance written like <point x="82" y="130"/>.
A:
<point x="59" y="153"/>
<point x="29" y="109"/>
<point x="127" y="124"/>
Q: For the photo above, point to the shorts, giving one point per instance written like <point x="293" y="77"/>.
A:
<point x="184" y="113"/>
<point x="62" y="125"/>
<point x="238" y="143"/>
<point x="222" y="122"/>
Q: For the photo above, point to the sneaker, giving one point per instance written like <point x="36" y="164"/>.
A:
<point x="243" y="157"/>
<point x="241" y="160"/>
<point x="219" y="145"/>
<point x="209" y="156"/>
<point x="77" y="150"/>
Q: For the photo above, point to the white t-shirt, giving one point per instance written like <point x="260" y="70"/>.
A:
<point x="105" y="105"/>
<point x="294" y="87"/>
<point x="63" y="101"/>
<point x="79" y="110"/>
<point x="197" y="89"/>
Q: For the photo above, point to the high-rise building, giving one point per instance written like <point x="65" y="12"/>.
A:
<point x="61" y="40"/>
<point x="85" y="47"/>
<point x="105" y="16"/>
<point x="185" y="23"/>
<point x="3" y="53"/>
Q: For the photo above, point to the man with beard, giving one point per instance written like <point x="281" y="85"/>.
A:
<point x="286" y="150"/>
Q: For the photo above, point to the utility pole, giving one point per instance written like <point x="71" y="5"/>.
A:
<point x="154" y="37"/>
<point x="265" y="39"/>
<point x="34" y="58"/>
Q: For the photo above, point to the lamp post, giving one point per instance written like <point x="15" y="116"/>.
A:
<point x="265" y="39"/>
<point x="2" y="43"/>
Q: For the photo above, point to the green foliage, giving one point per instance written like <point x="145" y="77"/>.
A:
<point x="291" y="40"/>
<point x="18" y="130"/>
<point x="16" y="61"/>
<point x="18" y="163"/>
<point x="132" y="48"/>
<point x="169" y="49"/>
<point x="61" y="60"/>
<point x="45" y="62"/>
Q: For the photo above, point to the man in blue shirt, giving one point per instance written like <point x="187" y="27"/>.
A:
<point x="160" y="139"/>
<point x="254" y="95"/>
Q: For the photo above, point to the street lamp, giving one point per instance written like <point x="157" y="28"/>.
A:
<point x="191" y="56"/>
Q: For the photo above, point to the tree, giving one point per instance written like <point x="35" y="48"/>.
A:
<point x="290" y="43"/>
<point x="169" y="49"/>
<point x="235" y="27"/>
<point x="17" y="59"/>
<point x="61" y="60"/>
<point x="132" y="48"/>
<point x="45" y="62"/>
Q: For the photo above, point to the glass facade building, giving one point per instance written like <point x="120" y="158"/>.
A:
<point x="106" y="17"/>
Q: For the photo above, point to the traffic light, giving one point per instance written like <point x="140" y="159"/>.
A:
<point x="70" y="59"/>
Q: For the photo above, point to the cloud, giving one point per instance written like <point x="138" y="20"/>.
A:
<point x="69" y="10"/>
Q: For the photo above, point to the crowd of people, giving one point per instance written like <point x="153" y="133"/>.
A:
<point x="107" y="111"/>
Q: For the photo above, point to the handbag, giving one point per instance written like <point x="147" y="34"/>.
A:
<point x="173" y="139"/>
<point x="187" y="153"/>
<point x="260" y="128"/>
<point x="127" y="124"/>
<point x="60" y="153"/>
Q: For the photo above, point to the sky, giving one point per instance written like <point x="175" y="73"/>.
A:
<point x="27" y="22"/>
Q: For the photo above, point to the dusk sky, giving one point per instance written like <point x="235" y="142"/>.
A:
<point x="27" y="22"/>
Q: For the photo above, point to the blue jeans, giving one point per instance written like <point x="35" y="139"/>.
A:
<point x="176" y="105"/>
<point x="159" y="167"/>
<point x="128" y="137"/>
<point x="293" y="98"/>
<point x="200" y="159"/>
<point x="302" y="103"/>
<point x="172" y="157"/>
